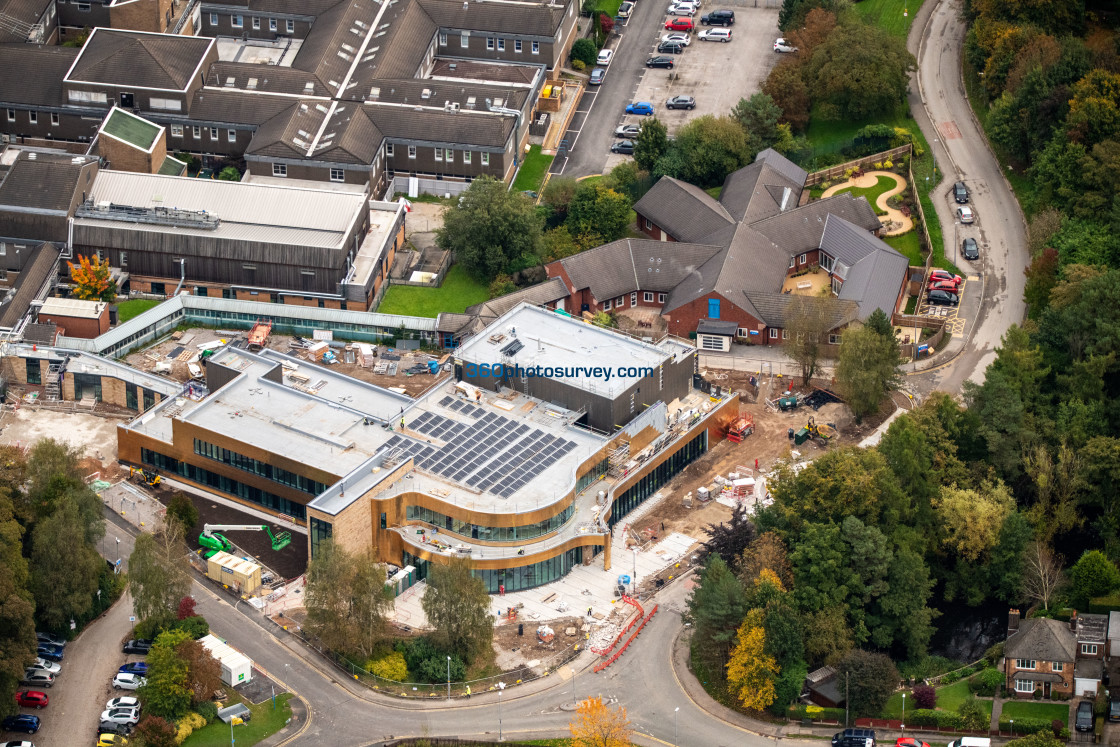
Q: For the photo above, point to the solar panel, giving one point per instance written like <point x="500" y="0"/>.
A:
<point x="455" y="405"/>
<point x="443" y="402"/>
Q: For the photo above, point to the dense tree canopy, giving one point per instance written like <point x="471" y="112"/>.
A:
<point x="490" y="228"/>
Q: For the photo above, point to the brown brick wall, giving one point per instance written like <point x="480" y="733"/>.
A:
<point x="75" y="327"/>
<point x="112" y="391"/>
<point x="683" y="320"/>
<point x="143" y="15"/>
<point x="124" y="157"/>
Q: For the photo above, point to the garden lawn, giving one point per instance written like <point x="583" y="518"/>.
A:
<point x="908" y="245"/>
<point x="130" y="309"/>
<point x="610" y="7"/>
<point x="265" y="722"/>
<point x="1029" y="709"/>
<point x="532" y="172"/>
<point x="890" y="15"/>
<point x="457" y="293"/>
<point x="950" y="697"/>
<point x="882" y="184"/>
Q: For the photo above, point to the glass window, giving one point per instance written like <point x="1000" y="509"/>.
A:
<point x="176" y="130"/>
<point x="443" y="39"/>
<point x="213" y="19"/>
<point x="658" y="477"/>
<point x="271" y="24"/>
<point x="236" y="21"/>
<point x="501" y="45"/>
<point x="465" y="39"/>
<point x="279" y="169"/>
<point x="319" y="531"/>
<point x="536" y="47"/>
<point x="34" y="371"/>
<point x="54" y="120"/>
<point x="33" y="117"/>
<point x="290" y="25"/>
<point x="389" y="150"/>
<point x="412" y="151"/>
<point x="256" y="23"/>
<point x="213" y="133"/>
<point x="439" y="154"/>
<point x="490" y="42"/>
<point x="516" y="45"/>
<point x="11" y="115"/>
<point x="466" y="156"/>
<point x="231" y="135"/>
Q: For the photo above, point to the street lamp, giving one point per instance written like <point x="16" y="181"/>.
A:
<point x="1012" y="728"/>
<point x="676" y="732"/>
<point x="449" y="678"/>
<point x="501" y="686"/>
<point x="904" y="714"/>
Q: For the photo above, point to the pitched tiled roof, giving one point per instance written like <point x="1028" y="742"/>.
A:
<point x="1042" y="639"/>
<point x="38" y="268"/>
<point x="356" y="138"/>
<point x="626" y="265"/>
<point x="250" y="76"/>
<point x="43" y="183"/>
<point x="132" y="58"/>
<point x="33" y="75"/>
<point x="466" y="128"/>
<point x="874" y="272"/>
<point x="549" y="291"/>
<point x="782" y="165"/>
<point x="403" y="51"/>
<point x="512" y="18"/>
<point x="438" y="93"/>
<point x="758" y="191"/>
<point x="799" y="230"/>
<point x="453" y="323"/>
<point x="1092" y="628"/>
<point x="485" y="70"/>
<point x="685" y="211"/>
<point x="236" y="107"/>
<point x="278" y="136"/>
<point x="293" y="7"/>
<point x="777" y="309"/>
<point x="20" y="11"/>
<point x="323" y="52"/>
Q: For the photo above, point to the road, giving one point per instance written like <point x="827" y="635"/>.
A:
<point x="939" y="104"/>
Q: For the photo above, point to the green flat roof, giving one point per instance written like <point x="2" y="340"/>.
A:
<point x="131" y="129"/>
<point x="172" y="167"/>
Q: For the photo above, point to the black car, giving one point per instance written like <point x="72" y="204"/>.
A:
<point x="141" y="646"/>
<point x="681" y="102"/>
<point x="854" y="738"/>
<point x="670" y="48"/>
<point x="51" y="639"/>
<point x="969" y="250"/>
<point x="1114" y="711"/>
<point x="22" y="722"/>
<point x="1084" y="719"/>
<point x="112" y="727"/>
<point x="942" y="298"/>
<point x="625" y="147"/>
<point x="719" y="18"/>
<point x="960" y="193"/>
<point x="661" y="61"/>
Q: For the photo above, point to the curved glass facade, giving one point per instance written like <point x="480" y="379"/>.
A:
<point x="519" y="578"/>
<point x="490" y="534"/>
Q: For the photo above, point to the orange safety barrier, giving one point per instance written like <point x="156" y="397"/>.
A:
<point x="624" y="631"/>
<point x="604" y="664"/>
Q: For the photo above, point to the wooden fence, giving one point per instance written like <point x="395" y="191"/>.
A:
<point x="832" y="172"/>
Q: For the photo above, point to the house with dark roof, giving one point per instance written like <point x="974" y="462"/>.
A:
<point x="1039" y="654"/>
<point x="738" y="267"/>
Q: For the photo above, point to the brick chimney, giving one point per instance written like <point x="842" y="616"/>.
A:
<point x="1012" y="622"/>
<point x="1073" y="621"/>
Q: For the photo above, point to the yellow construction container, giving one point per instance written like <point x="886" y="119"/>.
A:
<point x="234" y="572"/>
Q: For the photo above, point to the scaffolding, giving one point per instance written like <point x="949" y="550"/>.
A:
<point x="52" y="389"/>
<point x="617" y="460"/>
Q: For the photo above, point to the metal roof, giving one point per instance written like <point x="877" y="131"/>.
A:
<point x="73" y="307"/>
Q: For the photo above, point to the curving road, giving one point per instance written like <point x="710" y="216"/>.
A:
<point x="941" y="108"/>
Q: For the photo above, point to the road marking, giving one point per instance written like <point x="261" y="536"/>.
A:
<point x="949" y="131"/>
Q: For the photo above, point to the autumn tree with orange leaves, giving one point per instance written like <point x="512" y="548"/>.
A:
<point x="596" y="725"/>
<point x="91" y="280"/>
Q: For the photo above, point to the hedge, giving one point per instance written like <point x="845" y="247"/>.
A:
<point x="799" y="712"/>
<point x="1104" y="605"/>
<point x="936" y="719"/>
<point x="1025" y="726"/>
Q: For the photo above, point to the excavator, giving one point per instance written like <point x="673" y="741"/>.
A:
<point x="147" y="477"/>
<point x="214" y="542"/>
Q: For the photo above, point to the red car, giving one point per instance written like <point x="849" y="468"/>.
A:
<point x="680" y="24"/>
<point x="909" y="742"/>
<point x="936" y="275"/>
<point x="944" y="285"/>
<point x="32" y="699"/>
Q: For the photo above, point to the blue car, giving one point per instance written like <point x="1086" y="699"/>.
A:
<point x="50" y="653"/>
<point x="640" y="107"/>
<point x="139" y="668"/>
<point x="23" y="722"/>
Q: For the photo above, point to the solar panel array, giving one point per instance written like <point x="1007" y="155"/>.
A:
<point x="493" y="454"/>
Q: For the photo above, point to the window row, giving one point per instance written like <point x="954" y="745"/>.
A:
<point x="248" y="464"/>
<point x="32" y="117"/>
<point x="620" y="302"/>
<point x="237" y="21"/>
<point x="492" y="534"/>
<point x="515" y="579"/>
<point x="196" y="132"/>
<point x="658" y="477"/>
<point x="441" y="154"/>
<point x="492" y="43"/>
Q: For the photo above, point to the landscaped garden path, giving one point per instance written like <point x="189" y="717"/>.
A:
<point x="895" y="221"/>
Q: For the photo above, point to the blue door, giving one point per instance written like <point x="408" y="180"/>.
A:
<point x="713" y="308"/>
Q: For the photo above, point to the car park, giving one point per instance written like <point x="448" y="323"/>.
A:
<point x="681" y="102"/>
<point x="678" y="37"/>
<point x="960" y="193"/>
<point x="680" y="24"/>
<point x="121" y="715"/>
<point x="719" y="18"/>
<point x="720" y="35"/>
<point x="605" y="57"/>
<point x="22" y="722"/>
<point x="969" y="250"/>
<point x="1084" y="719"/>
<point x="110" y="740"/>
<point x="944" y="285"/>
<point x="945" y="275"/>
<point x="138" y="646"/>
<point x="597" y="76"/>
<point x="942" y="298"/>
<point x="32" y="699"/>
<point x="628" y="131"/>
<point x="37" y="678"/>
<point x="51" y="639"/>
<point x="126" y="701"/>
<point x="781" y="45"/>
<point x="640" y="107"/>
<point x="49" y="652"/>
<point x="134" y="667"/>
<point x="670" y="48"/>
<point x="681" y="9"/>
<point x="626" y="147"/>
<point x="47" y="666"/>
<point x="660" y="61"/>
<point x="625" y="9"/>
<point x="965" y="214"/>
<point x="128" y="681"/>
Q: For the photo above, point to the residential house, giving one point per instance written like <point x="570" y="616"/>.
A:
<point x="1113" y="648"/>
<point x="1092" y="638"/>
<point x="1040" y="654"/>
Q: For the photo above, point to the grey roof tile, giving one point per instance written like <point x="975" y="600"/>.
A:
<point x="132" y="58"/>
<point x="45" y="183"/>
<point x="782" y="165"/>
<point x="534" y="20"/>
<point x="614" y="269"/>
<point x="685" y="211"/>
<point x="1042" y="639"/>
<point x="33" y="75"/>
<point x="873" y="272"/>
<point x="236" y="107"/>
<point x="549" y="291"/>
<point x="799" y="230"/>
<point x="32" y="280"/>
<point x="464" y="127"/>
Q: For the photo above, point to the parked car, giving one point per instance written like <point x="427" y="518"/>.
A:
<point x="32" y="699"/>
<point x="49" y="652"/>
<point x="681" y="102"/>
<point x="719" y="18"/>
<point x="605" y="57"/>
<point x="37" y="678"/>
<point x="597" y="76"/>
<point x="678" y="37"/>
<point x="1114" y="711"/>
<point x="110" y="727"/>
<point x="660" y="61"/>
<point x="121" y="715"/>
<point x="51" y="639"/>
<point x="945" y="275"/>
<point x="712" y="35"/>
<point x="47" y="666"/>
<point x="681" y="9"/>
<point x="944" y="285"/>
<point x="625" y="9"/>
<point x="909" y="742"/>
<point x="1084" y="719"/>
<point x="640" y="107"/>
<point x="854" y="738"/>
<point x="965" y="214"/>
<point x="138" y="646"/>
<point x="680" y="24"/>
<point x="134" y="667"/>
<point x="781" y="45"/>
<point x="960" y="193"/>
<point x="628" y="131"/>
<point x="625" y="147"/>
<point x="22" y="722"/>
<point x="126" y="701"/>
<point x="17" y="743"/>
<point x="943" y="298"/>
<point x="670" y="48"/>
<point x="111" y="740"/>
<point x="128" y="681"/>
<point x="969" y="250"/>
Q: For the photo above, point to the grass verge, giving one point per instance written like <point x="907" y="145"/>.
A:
<point x="1042" y="711"/>
<point x="265" y="722"/>
<point x="532" y="172"/>
<point x="131" y="309"/>
<point x="891" y="15"/>
<point x="457" y="293"/>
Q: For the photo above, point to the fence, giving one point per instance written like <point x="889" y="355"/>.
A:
<point x="835" y="171"/>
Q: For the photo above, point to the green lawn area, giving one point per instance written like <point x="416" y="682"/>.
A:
<point x="532" y="172"/>
<point x="889" y="14"/>
<point x="129" y="309"/>
<point x="265" y="722"/>
<point x="610" y="7"/>
<point x="950" y="697"/>
<point x="457" y="293"/>
<point x="714" y="191"/>
<point x="909" y="245"/>
<point x="1030" y="709"/>
<point x="883" y="184"/>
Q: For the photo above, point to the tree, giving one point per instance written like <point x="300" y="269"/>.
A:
<point x="870" y="679"/>
<point x="557" y="243"/>
<point x="17" y="609"/>
<point x="92" y="279"/>
<point x="828" y="639"/>
<point x="501" y="285"/>
<point x="167" y="692"/>
<point x="1038" y="739"/>
<point x="759" y="117"/>
<point x="186" y="608"/>
<point x="600" y="210"/>
<point x="868" y="369"/>
<point x="204" y="672"/>
<point x="65" y="566"/>
<point x="490" y="228"/>
<point x="596" y="725"/>
<point x="1042" y="276"/>
<point x="925" y="696"/>
<point x="1093" y="575"/>
<point x="712" y="147"/>
<point x="808" y="320"/>
<point x="1042" y="574"/>
<point x="458" y="607"/>
<point x="651" y="143"/>
<point x="786" y="86"/>
<point x="181" y="509"/>
<point x="859" y="72"/>
<point x="1005" y="560"/>
<point x="584" y="50"/>
<point x="971" y="519"/>
<point x="728" y="539"/>
<point x="558" y="194"/>
<point x="767" y="552"/>
<point x="229" y="174"/>
<point x="346" y="600"/>
<point x="973" y="714"/>
<point x="751" y="672"/>
<point x="154" y="731"/>
<point x="717" y="607"/>
<point x="52" y="469"/>
<point x="159" y="573"/>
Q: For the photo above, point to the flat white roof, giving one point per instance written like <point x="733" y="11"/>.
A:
<point x="73" y="307"/>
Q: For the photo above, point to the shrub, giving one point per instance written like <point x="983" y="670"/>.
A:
<point x="187" y="725"/>
<point x="1025" y="726"/>
<point x="584" y="50"/>
<point x="180" y="507"/>
<point x="925" y="697"/>
<point x="994" y="654"/>
<point x="1057" y="725"/>
<point x="950" y="678"/>
<point x="579" y="65"/>
<point x="435" y="669"/>
<point x="937" y="719"/>
<point x="196" y="626"/>
<point x="151" y="627"/>
<point x="888" y="164"/>
<point x="1037" y="694"/>
<point x="816" y="713"/>
<point x="154" y="731"/>
<point x="990" y="680"/>
<point x="973" y="714"/>
<point x="186" y="608"/>
<point x="208" y="710"/>
<point x="391" y="666"/>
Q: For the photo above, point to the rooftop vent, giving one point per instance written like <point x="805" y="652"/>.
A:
<point x="426" y="93"/>
<point x="375" y="92"/>
<point x="304" y="133"/>
<point x="321" y="108"/>
<point x="332" y="82"/>
<point x="230" y="82"/>
<point x="470" y="102"/>
<point x="345" y="56"/>
<point x="252" y="84"/>
<point x="348" y="48"/>
<point x="309" y="87"/>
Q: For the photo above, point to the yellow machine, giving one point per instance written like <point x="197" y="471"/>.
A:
<point x="147" y="477"/>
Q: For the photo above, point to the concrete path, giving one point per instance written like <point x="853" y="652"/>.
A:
<point x="896" y="222"/>
<point x="997" y="709"/>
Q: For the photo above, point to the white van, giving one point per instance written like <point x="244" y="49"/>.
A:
<point x="971" y="742"/>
